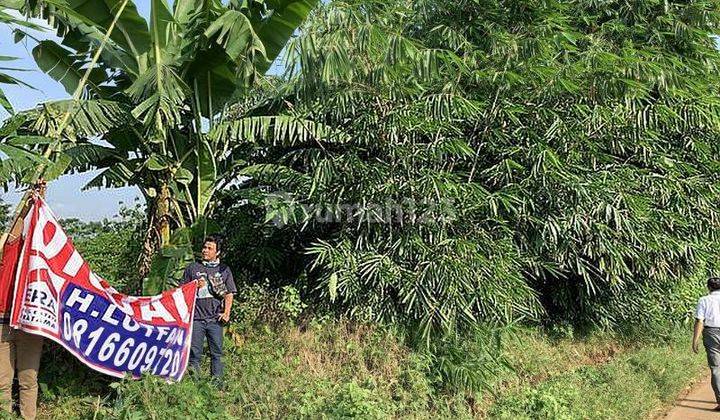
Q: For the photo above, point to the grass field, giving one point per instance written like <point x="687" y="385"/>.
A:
<point x="341" y="370"/>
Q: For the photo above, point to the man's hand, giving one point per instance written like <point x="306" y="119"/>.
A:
<point x="697" y="334"/>
<point x="227" y="304"/>
<point x="224" y="317"/>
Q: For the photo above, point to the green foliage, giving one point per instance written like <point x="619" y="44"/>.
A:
<point x="68" y="386"/>
<point x="444" y="167"/>
<point x="20" y="152"/>
<point x="256" y="250"/>
<point x="331" y="370"/>
<point x="469" y="363"/>
<point x="487" y="162"/>
<point x="259" y="304"/>
<point x="344" y="370"/>
<point x="152" y="397"/>
<point x="351" y="401"/>
<point x="4" y="214"/>
<point x="448" y="168"/>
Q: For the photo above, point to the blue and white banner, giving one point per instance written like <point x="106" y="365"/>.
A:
<point x="57" y="296"/>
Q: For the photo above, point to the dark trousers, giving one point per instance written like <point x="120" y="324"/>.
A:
<point x="214" y="332"/>
<point x="711" y="340"/>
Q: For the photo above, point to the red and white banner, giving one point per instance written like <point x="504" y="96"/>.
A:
<point x="57" y="296"/>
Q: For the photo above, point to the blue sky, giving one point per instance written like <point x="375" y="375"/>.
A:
<point x="64" y="194"/>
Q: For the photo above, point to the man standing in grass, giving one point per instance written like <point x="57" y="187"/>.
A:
<point x="212" y="307"/>
<point x="707" y="325"/>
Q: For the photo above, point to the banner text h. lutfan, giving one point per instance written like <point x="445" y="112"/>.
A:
<point x="57" y="296"/>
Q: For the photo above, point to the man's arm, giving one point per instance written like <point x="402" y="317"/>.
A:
<point x="228" y="299"/>
<point x="697" y="333"/>
<point x="225" y="316"/>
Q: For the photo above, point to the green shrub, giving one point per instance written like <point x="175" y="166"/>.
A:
<point x="259" y="303"/>
<point x="350" y="400"/>
<point x="468" y="363"/>
<point x="152" y="397"/>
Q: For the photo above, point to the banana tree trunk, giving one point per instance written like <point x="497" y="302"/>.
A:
<point x="157" y="232"/>
<point x="162" y="215"/>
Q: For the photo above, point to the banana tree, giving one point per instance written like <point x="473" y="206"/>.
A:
<point x="163" y="83"/>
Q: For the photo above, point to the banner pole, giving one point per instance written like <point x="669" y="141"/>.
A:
<point x="23" y="206"/>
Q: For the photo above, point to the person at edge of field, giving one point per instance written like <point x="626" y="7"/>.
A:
<point x="707" y="325"/>
<point x="19" y="350"/>
<point x="212" y="306"/>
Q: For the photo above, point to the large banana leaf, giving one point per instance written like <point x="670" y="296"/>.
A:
<point x="235" y="33"/>
<point x="66" y="67"/>
<point x="275" y="31"/>
<point x="61" y="162"/>
<point x="160" y="91"/>
<point x="85" y="37"/>
<point x="89" y="118"/>
<point x="161" y="27"/>
<point x="214" y="82"/>
<point x="116" y="176"/>
<point x="82" y="24"/>
<point x="131" y="29"/>
<point x="185" y="11"/>
<point x="6" y="78"/>
<point x="18" y="153"/>
<point x="160" y="94"/>
<point x="18" y="161"/>
<point x="206" y="176"/>
<point x="252" y="45"/>
<point x="87" y="156"/>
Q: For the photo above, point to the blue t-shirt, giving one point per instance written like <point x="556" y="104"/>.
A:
<point x="208" y="306"/>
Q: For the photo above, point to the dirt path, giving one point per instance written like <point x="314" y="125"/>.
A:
<point x="698" y="404"/>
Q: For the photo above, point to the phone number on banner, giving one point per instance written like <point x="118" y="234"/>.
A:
<point x="105" y="337"/>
